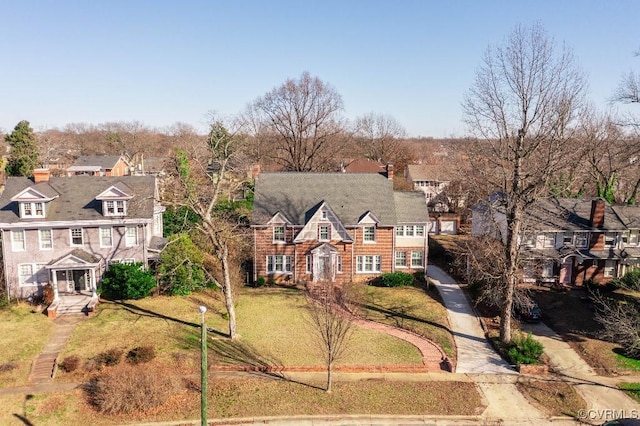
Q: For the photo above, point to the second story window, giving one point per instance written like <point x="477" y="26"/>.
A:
<point x="76" y="236"/>
<point x="18" y="242"/>
<point x="581" y="239"/>
<point x="278" y="234"/>
<point x="609" y="239"/>
<point x="105" y="237"/>
<point x="131" y="236"/>
<point x="324" y="232"/>
<point x="46" y="239"/>
<point x="369" y="234"/>
<point x="633" y="238"/>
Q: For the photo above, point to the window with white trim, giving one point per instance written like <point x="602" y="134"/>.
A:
<point x="399" y="231"/>
<point x="368" y="264"/>
<point x="529" y="240"/>
<point x="114" y="207"/>
<point x="30" y="274"/>
<point x="609" y="268"/>
<point x="547" y="240"/>
<point x="279" y="264"/>
<point x="633" y="238"/>
<point x="609" y="239"/>
<point x="547" y="269"/>
<point x="419" y="230"/>
<point x="401" y="259"/>
<point x="31" y="209"/>
<point x="567" y="238"/>
<point x="417" y="259"/>
<point x="106" y="237"/>
<point x="581" y="239"/>
<point x="278" y="234"/>
<point x="131" y="236"/>
<point x="18" y="241"/>
<point x="324" y="232"/>
<point x="369" y="234"/>
<point x="529" y="273"/>
<point x="309" y="264"/>
<point x="339" y="264"/>
<point x="323" y="215"/>
<point x="408" y="230"/>
<point x="128" y="260"/>
<point x="77" y="236"/>
<point x="45" y="236"/>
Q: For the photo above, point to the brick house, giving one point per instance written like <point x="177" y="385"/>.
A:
<point x="567" y="241"/>
<point x="100" y="165"/>
<point x="336" y="226"/>
<point x="65" y="231"/>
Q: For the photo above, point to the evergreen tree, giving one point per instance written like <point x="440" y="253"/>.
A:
<point x="25" y="153"/>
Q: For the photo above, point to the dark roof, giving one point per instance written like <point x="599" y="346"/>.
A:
<point x="411" y="205"/>
<point x="349" y="195"/>
<point x="571" y="214"/>
<point x="75" y="197"/>
<point x="103" y="161"/>
<point x="629" y="215"/>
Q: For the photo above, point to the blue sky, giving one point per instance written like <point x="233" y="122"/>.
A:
<point x="160" y="62"/>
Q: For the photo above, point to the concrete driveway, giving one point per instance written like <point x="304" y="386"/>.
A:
<point x="475" y="354"/>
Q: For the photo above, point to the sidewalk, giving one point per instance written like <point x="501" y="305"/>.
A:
<point x="475" y="354"/>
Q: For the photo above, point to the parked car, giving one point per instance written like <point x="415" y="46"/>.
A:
<point x="529" y="313"/>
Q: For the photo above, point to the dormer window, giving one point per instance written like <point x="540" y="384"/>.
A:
<point x="32" y="209"/>
<point x="115" y="207"/>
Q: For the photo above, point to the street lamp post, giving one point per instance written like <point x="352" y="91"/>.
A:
<point x="203" y="369"/>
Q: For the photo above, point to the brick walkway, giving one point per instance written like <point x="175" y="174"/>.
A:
<point x="43" y="367"/>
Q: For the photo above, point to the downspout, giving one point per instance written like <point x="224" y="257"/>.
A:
<point x="4" y="264"/>
<point x="393" y="249"/>
<point x="255" y="257"/>
<point x="145" y="255"/>
<point x="295" y="256"/>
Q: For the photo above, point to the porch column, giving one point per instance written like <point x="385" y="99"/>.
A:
<point x="94" y="292"/>
<point x="55" y="284"/>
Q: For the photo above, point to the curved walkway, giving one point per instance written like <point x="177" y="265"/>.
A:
<point x="432" y="356"/>
<point x="475" y="354"/>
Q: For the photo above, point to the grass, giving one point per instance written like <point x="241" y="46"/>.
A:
<point x="631" y="389"/>
<point x="256" y="398"/>
<point x="555" y="398"/>
<point x="24" y="334"/>
<point x="272" y="325"/>
<point x="412" y="308"/>
<point x="571" y="314"/>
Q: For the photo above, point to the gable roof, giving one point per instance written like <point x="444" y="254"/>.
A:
<point x="349" y="195"/>
<point x="365" y="166"/>
<point x="430" y="172"/>
<point x="76" y="199"/>
<point x="102" y="161"/>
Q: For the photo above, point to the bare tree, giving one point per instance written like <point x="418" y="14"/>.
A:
<point x="379" y="137"/>
<point x="620" y="322"/>
<point x="200" y="183"/>
<point x="522" y="106"/>
<point x="331" y="323"/>
<point x="301" y="121"/>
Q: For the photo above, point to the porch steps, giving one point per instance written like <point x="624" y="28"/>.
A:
<point x="70" y="305"/>
<point x="44" y="367"/>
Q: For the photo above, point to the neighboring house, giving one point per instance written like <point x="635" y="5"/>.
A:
<point x="432" y="180"/>
<point x="65" y="231"/>
<point x="100" y="165"/>
<point x="365" y="166"/>
<point x="339" y="227"/>
<point x="568" y="241"/>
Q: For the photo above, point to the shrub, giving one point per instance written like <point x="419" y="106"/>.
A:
<point x="111" y="357"/>
<point x="260" y="282"/>
<point x="47" y="294"/>
<point x="525" y="350"/>
<point x="127" y="281"/>
<point x="8" y="366"/>
<point x="395" y="279"/>
<point x="630" y="280"/>
<point x="70" y="364"/>
<point x="141" y="354"/>
<point x="128" y="389"/>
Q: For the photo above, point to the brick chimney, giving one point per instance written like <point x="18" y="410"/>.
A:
<point x="389" y="171"/>
<point x="597" y="213"/>
<point x="255" y="171"/>
<point x="41" y="175"/>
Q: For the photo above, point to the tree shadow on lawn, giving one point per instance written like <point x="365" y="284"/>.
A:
<point x="243" y="357"/>
<point x="398" y="314"/>
<point x="136" y="310"/>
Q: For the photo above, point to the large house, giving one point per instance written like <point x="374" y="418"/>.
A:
<point x="65" y="231"/>
<point x="340" y="227"/>
<point x="567" y="241"/>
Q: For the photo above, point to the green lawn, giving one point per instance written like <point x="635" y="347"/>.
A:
<point x="24" y="334"/>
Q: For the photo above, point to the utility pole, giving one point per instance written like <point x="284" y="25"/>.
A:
<point x="203" y="370"/>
